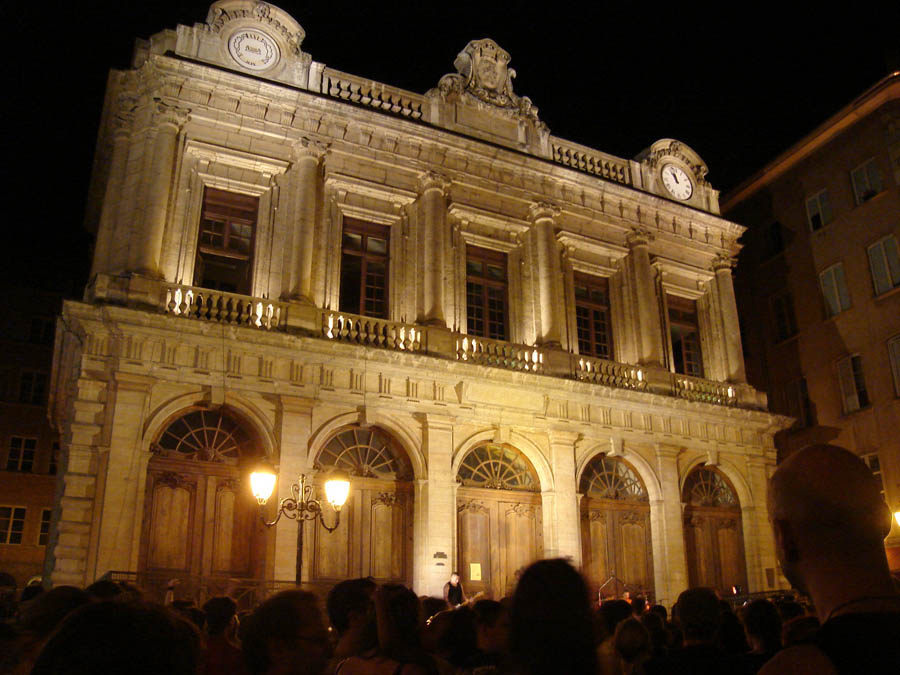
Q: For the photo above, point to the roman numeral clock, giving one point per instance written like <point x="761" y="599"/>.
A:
<point x="672" y="170"/>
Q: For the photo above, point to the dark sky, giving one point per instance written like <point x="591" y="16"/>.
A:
<point x="738" y="82"/>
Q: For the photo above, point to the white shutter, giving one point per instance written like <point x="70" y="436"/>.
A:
<point x="880" y="278"/>
<point x="894" y="353"/>
<point x="893" y="259"/>
<point x="848" y="386"/>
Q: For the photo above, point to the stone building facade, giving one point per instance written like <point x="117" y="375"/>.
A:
<point x="819" y="285"/>
<point x="518" y="346"/>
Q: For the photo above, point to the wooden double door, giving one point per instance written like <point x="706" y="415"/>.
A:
<point x="374" y="538"/>
<point x="499" y="533"/>
<point x="617" y="548"/>
<point x="714" y="546"/>
<point x="201" y="526"/>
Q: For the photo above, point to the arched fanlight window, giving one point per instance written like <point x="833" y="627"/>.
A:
<point x="498" y="467"/>
<point x="208" y="436"/>
<point x="707" y="487"/>
<point x="611" y="478"/>
<point x="365" y="452"/>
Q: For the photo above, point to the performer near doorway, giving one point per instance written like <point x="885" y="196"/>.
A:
<point x="453" y="591"/>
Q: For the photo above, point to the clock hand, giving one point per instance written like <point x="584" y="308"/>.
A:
<point x="674" y="177"/>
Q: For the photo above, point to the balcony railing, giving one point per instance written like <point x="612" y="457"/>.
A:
<point x="706" y="391"/>
<point x="499" y="354"/>
<point x="372" y="94"/>
<point x="591" y="161"/>
<point x="238" y="310"/>
<point x="363" y="330"/>
<point x="609" y="373"/>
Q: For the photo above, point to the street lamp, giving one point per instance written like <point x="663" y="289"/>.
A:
<point x="300" y="505"/>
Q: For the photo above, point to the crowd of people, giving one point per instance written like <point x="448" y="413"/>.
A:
<point x="828" y="546"/>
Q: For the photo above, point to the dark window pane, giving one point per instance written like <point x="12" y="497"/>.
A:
<point x="352" y="241"/>
<point x="376" y="245"/>
<point x="351" y="271"/>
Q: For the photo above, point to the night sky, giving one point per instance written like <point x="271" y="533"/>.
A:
<point x="738" y="82"/>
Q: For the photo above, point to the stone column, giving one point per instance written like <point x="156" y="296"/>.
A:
<point x="433" y="188"/>
<point x="649" y="338"/>
<point x="731" y="332"/>
<point x="549" y="275"/>
<point x="307" y="155"/>
<point x="106" y="229"/>
<point x="147" y="251"/>
<point x="435" y="508"/>
<point x="562" y="510"/>
<point x="667" y="529"/>
<point x="293" y="460"/>
<point x="759" y="541"/>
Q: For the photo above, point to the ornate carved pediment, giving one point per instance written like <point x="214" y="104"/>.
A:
<point x="483" y="78"/>
<point x="274" y="19"/>
<point x="670" y="148"/>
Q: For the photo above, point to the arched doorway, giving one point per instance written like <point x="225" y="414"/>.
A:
<point x="713" y="534"/>
<point x="499" y="526"/>
<point x="375" y="537"/>
<point x="201" y="523"/>
<point x="615" y="529"/>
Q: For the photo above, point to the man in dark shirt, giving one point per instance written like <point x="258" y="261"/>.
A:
<point x="453" y="591"/>
<point x="829" y="521"/>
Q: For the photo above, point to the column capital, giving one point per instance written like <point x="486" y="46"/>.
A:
<point x="563" y="437"/>
<point x="433" y="180"/>
<point x="722" y="263"/>
<point x="168" y="115"/>
<point x="638" y="236"/>
<point x="543" y="211"/>
<point x="309" y="148"/>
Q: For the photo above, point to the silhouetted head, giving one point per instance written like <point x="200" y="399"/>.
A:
<point x="350" y="602"/>
<point x="220" y="612"/>
<point x="699" y="615"/>
<point x="286" y="631"/>
<point x="632" y="640"/>
<point x="612" y="613"/>
<point x="45" y="612"/>
<point x="104" y="589"/>
<point x="762" y="622"/>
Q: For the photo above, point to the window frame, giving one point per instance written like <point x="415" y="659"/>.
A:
<point x="893" y="345"/>
<point x="677" y="303"/>
<point x="823" y="209"/>
<point x="871" y="163"/>
<point x="43" y="537"/>
<point x="18" y="455"/>
<point x="366" y="229"/>
<point x="7" y="534"/>
<point x="891" y="272"/>
<point x="783" y="300"/>
<point x="852" y="384"/>
<point x="797" y="400"/>
<point x="36" y="376"/>
<point x="487" y="256"/>
<point x="220" y="210"/>
<point x="605" y="309"/>
<point x="838" y="304"/>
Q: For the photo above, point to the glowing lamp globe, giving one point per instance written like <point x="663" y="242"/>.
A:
<point x="337" y="489"/>
<point x="262" y="482"/>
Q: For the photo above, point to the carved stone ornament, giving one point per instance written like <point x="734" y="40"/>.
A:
<point x="172" y="480"/>
<point x="484" y="78"/>
<point x="271" y="19"/>
<point x="521" y="510"/>
<point x="473" y="506"/>
<point x="389" y="499"/>
<point x="668" y="148"/>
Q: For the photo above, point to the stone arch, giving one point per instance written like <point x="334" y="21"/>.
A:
<point x="729" y="470"/>
<point x="526" y="446"/>
<point x="404" y="438"/>
<point x="637" y="462"/>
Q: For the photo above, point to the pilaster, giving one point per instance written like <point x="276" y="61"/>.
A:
<point x="308" y="154"/>
<point x="667" y="528"/>
<point x="107" y="229"/>
<point x="433" y="188"/>
<point x="561" y="515"/>
<point x="731" y="334"/>
<point x="648" y="325"/>
<point x="549" y="274"/>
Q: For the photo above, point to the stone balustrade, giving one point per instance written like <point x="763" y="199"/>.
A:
<point x="499" y="354"/>
<point x="363" y="330"/>
<point x="707" y="391"/>
<point x="608" y="373"/>
<point x="372" y="94"/>
<point x="208" y="305"/>
<point x="585" y="159"/>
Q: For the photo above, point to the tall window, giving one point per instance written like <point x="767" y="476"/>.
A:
<point x="44" y="533"/>
<point x="486" y="293"/>
<point x="866" y="180"/>
<point x="592" y="316"/>
<point x="894" y="356"/>
<point x="785" y="321"/>
<point x="32" y="387"/>
<point x="874" y="465"/>
<point x="21" y="454"/>
<point x="884" y="261"/>
<point x="852" y="383"/>
<point x="834" y="288"/>
<point x="225" y="248"/>
<point x="364" y="268"/>
<point x="818" y="210"/>
<point x="12" y="524"/>
<point x="798" y="404"/>
<point x="685" y="333"/>
<point x="774" y="239"/>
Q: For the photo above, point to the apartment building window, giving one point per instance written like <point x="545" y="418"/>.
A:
<point x="798" y="404"/>
<point x="12" y="524"/>
<point x="773" y="244"/>
<point x="21" y="454"/>
<point x="486" y="293"/>
<point x="884" y="261"/>
<point x="225" y="247"/>
<point x="894" y="356"/>
<point x="866" y="180"/>
<point x="592" y="316"/>
<point x="44" y="533"/>
<point x="834" y="288"/>
<point x="32" y="387"/>
<point x="783" y="311"/>
<point x="874" y="465"/>
<point x="685" y="333"/>
<point x="818" y="210"/>
<point x="364" y="268"/>
<point x="852" y="384"/>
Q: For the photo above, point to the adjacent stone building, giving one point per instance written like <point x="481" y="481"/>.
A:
<point x="518" y="346"/>
<point x="819" y="285"/>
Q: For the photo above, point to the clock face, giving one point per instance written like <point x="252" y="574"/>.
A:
<point x="677" y="181"/>
<point x="253" y="49"/>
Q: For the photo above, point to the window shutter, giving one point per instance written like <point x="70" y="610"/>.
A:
<point x="848" y="386"/>
<point x="894" y="353"/>
<point x="879" y="268"/>
<point x="893" y="259"/>
<point x="841" y="284"/>
<point x="830" y="292"/>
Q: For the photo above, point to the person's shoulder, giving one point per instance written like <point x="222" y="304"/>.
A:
<point x="799" y="660"/>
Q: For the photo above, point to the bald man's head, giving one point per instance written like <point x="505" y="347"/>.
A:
<point x="830" y="499"/>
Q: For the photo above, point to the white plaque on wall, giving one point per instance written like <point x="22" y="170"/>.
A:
<point x="253" y="49"/>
